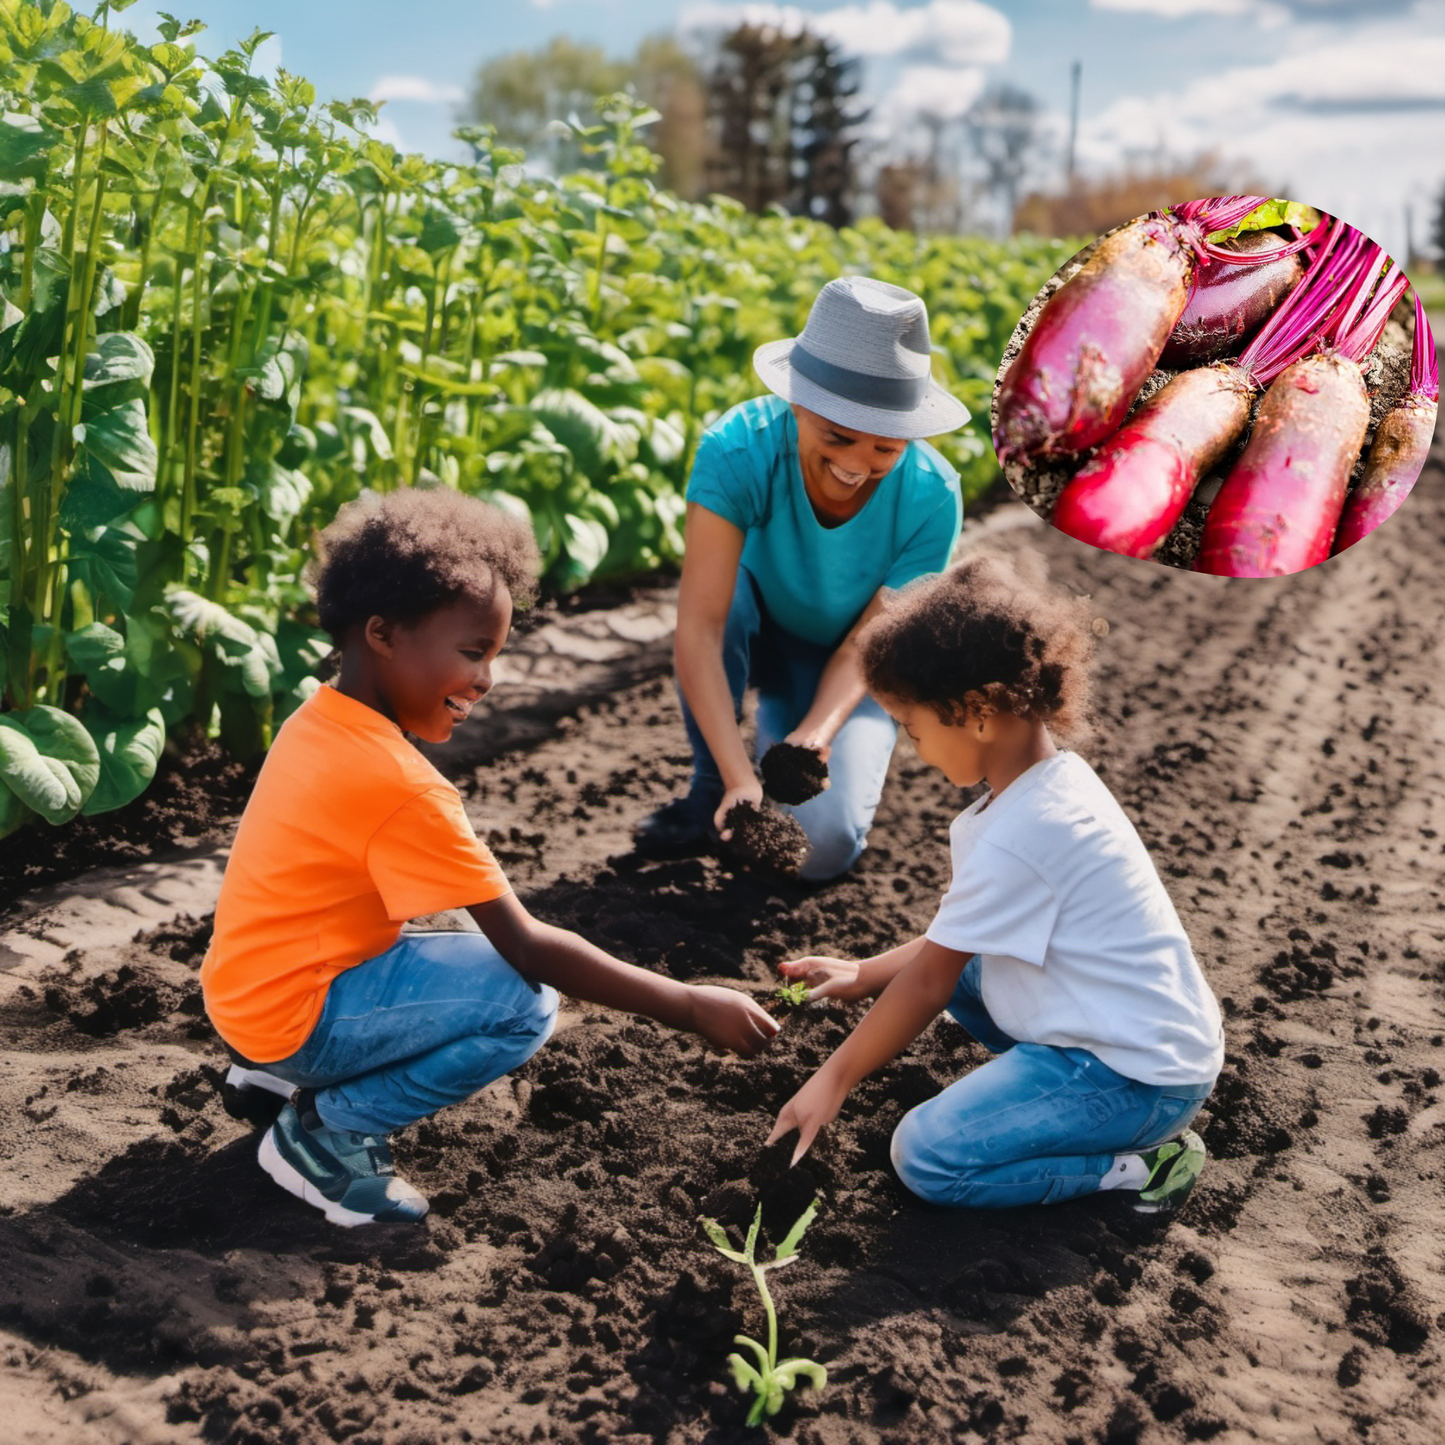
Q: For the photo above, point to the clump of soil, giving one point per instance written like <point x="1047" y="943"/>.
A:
<point x="792" y="773"/>
<point x="765" y="838"/>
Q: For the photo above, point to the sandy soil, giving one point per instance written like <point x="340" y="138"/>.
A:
<point x="1278" y="745"/>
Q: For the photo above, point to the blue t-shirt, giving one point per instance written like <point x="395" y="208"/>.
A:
<point x="815" y="580"/>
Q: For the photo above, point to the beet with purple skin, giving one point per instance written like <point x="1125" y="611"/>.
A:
<point x="1228" y="304"/>
<point x="765" y="838"/>
<point x="793" y="773"/>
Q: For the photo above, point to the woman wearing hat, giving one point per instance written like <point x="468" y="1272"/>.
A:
<point x="804" y="506"/>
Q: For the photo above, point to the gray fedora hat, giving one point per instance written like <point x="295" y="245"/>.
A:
<point x="863" y="362"/>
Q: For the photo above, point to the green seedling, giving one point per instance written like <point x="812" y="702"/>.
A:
<point x="791" y="995"/>
<point x="769" y="1380"/>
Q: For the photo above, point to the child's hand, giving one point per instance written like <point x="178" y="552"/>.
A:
<point x="730" y="1019"/>
<point x="825" y="977"/>
<point x="815" y="1105"/>
<point x="750" y="792"/>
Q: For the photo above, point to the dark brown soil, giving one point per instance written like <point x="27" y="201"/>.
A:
<point x="792" y="774"/>
<point x="765" y="838"/>
<point x="1277" y="744"/>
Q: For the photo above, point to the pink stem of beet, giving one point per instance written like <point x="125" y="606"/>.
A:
<point x="1424" y="364"/>
<point x="1357" y="325"/>
<point x="1218" y="213"/>
<point x="1305" y="313"/>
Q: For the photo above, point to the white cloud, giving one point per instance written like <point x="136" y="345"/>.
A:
<point x="1355" y="126"/>
<point x="940" y="91"/>
<point x="1179" y="9"/>
<point x="960" y="32"/>
<point x="415" y="87"/>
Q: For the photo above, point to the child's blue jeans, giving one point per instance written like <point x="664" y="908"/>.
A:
<point x="425" y="1024"/>
<point x="786" y="670"/>
<point x="1035" y="1125"/>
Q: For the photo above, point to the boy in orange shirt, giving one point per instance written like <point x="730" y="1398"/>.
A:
<point x="350" y="831"/>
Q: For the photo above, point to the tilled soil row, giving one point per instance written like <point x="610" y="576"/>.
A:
<point x="1278" y="745"/>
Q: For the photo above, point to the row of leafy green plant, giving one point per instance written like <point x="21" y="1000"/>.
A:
<point x="227" y="309"/>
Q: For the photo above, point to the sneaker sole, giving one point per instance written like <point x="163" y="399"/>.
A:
<point x="294" y="1182"/>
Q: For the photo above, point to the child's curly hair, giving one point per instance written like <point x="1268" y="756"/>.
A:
<point x="404" y="554"/>
<point x="984" y="637"/>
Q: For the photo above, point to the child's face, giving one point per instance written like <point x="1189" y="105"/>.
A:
<point x="956" y="750"/>
<point x="841" y="466"/>
<point x="429" y="673"/>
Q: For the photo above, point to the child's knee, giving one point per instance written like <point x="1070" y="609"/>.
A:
<point x="917" y="1161"/>
<point x="535" y="1021"/>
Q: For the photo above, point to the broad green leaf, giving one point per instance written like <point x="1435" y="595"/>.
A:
<point x="595" y="441"/>
<point x="115" y="464"/>
<point x="93" y="646"/>
<point x="24" y="143"/>
<point x="129" y="750"/>
<point x="28" y="346"/>
<point x="585" y="541"/>
<point x="439" y="232"/>
<point x="48" y="760"/>
<point x="119" y="357"/>
<point x="105" y="560"/>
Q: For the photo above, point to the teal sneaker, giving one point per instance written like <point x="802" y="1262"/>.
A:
<point x="1173" y="1168"/>
<point x="348" y="1176"/>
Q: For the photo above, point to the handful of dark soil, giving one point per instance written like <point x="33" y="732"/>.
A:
<point x="792" y="773"/>
<point x="765" y="838"/>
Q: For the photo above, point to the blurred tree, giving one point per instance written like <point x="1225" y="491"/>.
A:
<point x="1090" y="207"/>
<point x="667" y="78"/>
<point x="1002" y="126"/>
<point x="522" y="93"/>
<point x="782" y="105"/>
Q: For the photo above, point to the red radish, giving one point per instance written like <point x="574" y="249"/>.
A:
<point x="1130" y="494"/>
<point x="1402" y="442"/>
<point x="1280" y="504"/>
<point x="1230" y="303"/>
<point x="1099" y="336"/>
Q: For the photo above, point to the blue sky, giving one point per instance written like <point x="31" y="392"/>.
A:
<point x="1340" y="103"/>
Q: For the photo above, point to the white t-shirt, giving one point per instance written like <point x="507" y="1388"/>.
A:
<point x="1079" y="944"/>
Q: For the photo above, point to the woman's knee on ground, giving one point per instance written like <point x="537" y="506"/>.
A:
<point x="836" y="847"/>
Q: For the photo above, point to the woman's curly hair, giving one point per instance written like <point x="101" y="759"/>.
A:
<point x="406" y="553"/>
<point x="983" y="637"/>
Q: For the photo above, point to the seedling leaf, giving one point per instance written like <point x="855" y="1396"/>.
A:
<point x="789" y="1247"/>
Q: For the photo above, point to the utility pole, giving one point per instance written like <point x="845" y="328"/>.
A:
<point x="1075" y="71"/>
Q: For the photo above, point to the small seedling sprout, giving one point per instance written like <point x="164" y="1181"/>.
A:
<point x="791" y="995"/>
<point x="770" y="1379"/>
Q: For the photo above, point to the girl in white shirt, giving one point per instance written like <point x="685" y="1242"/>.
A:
<point x="1056" y="945"/>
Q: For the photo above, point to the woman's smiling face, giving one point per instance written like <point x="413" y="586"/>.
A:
<point x="841" y="466"/>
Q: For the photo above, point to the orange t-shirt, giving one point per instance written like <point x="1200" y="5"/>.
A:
<point x="348" y="833"/>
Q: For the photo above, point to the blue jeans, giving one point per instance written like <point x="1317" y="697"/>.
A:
<point x="786" y="670"/>
<point x="425" y="1024"/>
<point x="1035" y="1125"/>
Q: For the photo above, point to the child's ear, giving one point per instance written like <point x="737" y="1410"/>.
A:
<point x="377" y="635"/>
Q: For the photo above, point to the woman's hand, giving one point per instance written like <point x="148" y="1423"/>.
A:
<point x="812" y="1108"/>
<point x="749" y="792"/>
<point x="811" y="738"/>
<point x="730" y="1019"/>
<point x="826" y="977"/>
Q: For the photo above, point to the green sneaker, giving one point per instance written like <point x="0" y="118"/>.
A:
<point x="1173" y="1168"/>
<point x="348" y="1176"/>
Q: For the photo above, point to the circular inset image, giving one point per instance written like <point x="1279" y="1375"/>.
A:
<point x="1238" y="385"/>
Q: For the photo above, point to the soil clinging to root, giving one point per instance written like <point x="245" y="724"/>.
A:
<point x="1277" y="744"/>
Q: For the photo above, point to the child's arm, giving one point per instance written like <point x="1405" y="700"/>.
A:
<point x="573" y="966"/>
<point x="851" y="979"/>
<point x="917" y="995"/>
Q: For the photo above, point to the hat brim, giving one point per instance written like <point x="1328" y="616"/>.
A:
<point x="937" y="413"/>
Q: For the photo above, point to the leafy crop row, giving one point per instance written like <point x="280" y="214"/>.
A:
<point x="226" y="309"/>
